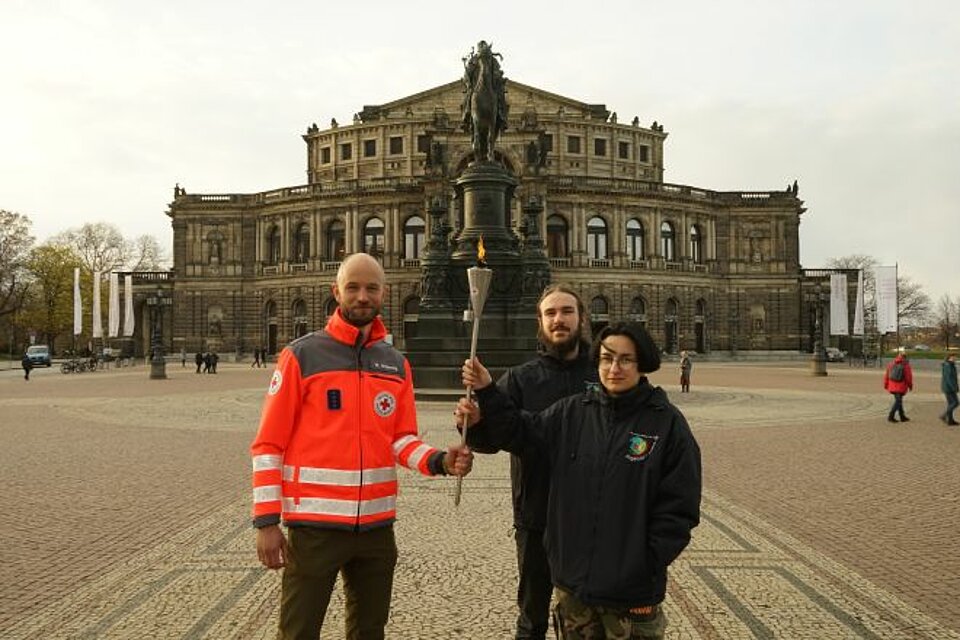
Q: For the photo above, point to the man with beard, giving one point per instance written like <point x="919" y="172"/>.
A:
<point x="563" y="368"/>
<point x="338" y="416"/>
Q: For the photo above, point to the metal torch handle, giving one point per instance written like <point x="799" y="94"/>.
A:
<point x="463" y="427"/>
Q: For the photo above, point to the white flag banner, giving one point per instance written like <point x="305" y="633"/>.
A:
<point x="77" y="303"/>
<point x="97" y="320"/>
<point x="886" y="279"/>
<point x="839" y="316"/>
<point x="128" y="321"/>
<point x="113" y="315"/>
<point x="858" y="311"/>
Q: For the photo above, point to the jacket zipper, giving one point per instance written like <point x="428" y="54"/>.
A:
<point x="360" y="402"/>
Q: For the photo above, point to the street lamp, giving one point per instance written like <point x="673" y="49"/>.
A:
<point x="158" y="364"/>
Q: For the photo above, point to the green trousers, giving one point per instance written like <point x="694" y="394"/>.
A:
<point x="578" y="621"/>
<point x="315" y="557"/>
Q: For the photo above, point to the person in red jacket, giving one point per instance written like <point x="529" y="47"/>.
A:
<point x="338" y="416"/>
<point x="898" y="380"/>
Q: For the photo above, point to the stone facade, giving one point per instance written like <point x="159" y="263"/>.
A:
<point x="705" y="270"/>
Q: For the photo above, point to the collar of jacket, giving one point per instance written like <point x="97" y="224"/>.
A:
<point x="344" y="332"/>
<point x="642" y="394"/>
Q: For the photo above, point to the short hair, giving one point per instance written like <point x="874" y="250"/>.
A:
<point x="561" y="287"/>
<point x="648" y="355"/>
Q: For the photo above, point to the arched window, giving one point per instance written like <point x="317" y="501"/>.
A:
<point x="330" y="307"/>
<point x="299" y="318"/>
<point x="373" y="237"/>
<point x="701" y="308"/>
<point x="215" y="246"/>
<point x="273" y="245"/>
<point x="336" y="241"/>
<point x="667" y="242"/>
<point x="301" y="243"/>
<point x="672" y="309"/>
<point x="597" y="238"/>
<point x="599" y="314"/>
<point x="696" y="243"/>
<point x="638" y="311"/>
<point x="634" y="239"/>
<point x="411" y="313"/>
<point x="413" y="234"/>
<point x="557" y="237"/>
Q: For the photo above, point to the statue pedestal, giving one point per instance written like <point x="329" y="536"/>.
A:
<point x="508" y="326"/>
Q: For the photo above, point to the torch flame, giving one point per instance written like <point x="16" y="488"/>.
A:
<point x="481" y="252"/>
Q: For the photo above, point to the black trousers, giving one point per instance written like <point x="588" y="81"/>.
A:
<point x="535" y="588"/>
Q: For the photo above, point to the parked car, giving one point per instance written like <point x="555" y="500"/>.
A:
<point x="921" y="347"/>
<point x="835" y="355"/>
<point x="39" y="355"/>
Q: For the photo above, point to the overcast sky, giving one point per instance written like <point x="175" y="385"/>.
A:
<point x="105" y="105"/>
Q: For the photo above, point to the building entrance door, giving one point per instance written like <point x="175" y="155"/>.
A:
<point x="272" y="339"/>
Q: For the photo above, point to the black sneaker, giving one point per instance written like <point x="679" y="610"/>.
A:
<point x="904" y="419"/>
<point x="891" y="419"/>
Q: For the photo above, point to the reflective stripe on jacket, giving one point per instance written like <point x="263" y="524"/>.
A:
<point x="337" y="418"/>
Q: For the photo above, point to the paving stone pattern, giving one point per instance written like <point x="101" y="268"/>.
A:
<point x="126" y="508"/>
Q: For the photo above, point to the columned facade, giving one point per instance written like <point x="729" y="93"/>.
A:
<point x="705" y="270"/>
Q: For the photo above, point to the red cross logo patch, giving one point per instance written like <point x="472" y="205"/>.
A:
<point x="384" y="404"/>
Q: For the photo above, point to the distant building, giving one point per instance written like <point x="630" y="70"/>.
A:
<point x="704" y="270"/>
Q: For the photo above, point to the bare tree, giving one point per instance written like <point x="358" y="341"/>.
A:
<point x="913" y="303"/>
<point x="15" y="244"/>
<point x="948" y="318"/>
<point x="102" y="247"/>
<point x="147" y="255"/>
<point x="99" y="245"/>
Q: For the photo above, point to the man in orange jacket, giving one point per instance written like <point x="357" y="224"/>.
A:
<point x="338" y="416"/>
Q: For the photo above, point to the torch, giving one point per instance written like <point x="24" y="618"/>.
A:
<point x="478" y="278"/>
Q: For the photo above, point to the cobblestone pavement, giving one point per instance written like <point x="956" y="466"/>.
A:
<point x="126" y="513"/>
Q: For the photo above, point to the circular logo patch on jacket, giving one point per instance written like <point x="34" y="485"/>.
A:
<point x="639" y="447"/>
<point x="384" y="404"/>
<point x="275" y="383"/>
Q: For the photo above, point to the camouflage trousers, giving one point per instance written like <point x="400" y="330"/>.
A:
<point x="576" y="621"/>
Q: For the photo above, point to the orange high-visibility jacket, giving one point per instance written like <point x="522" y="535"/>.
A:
<point x="337" y="418"/>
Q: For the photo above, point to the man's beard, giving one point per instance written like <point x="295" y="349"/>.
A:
<point x="359" y="316"/>
<point x="559" y="349"/>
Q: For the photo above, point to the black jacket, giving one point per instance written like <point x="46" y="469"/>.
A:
<point x="533" y="386"/>
<point x="625" y="487"/>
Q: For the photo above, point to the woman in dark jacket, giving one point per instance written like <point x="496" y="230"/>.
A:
<point x="624" y="489"/>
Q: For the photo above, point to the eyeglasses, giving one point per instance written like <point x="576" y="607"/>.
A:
<point x="624" y="362"/>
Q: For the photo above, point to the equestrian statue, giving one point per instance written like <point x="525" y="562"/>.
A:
<point x="485" y="103"/>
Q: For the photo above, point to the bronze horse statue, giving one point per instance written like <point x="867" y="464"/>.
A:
<point x="485" y="107"/>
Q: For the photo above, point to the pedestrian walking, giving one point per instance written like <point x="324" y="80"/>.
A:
<point x="563" y="368"/>
<point x="339" y="415"/>
<point x="898" y="380"/>
<point x="27" y="365"/>
<point x="199" y="360"/>
<point x="625" y="486"/>
<point x="214" y="359"/>
<point x="686" y="367"/>
<point x="948" y="384"/>
<point x="183" y="357"/>
<point x="256" y="358"/>
<point x="207" y="361"/>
